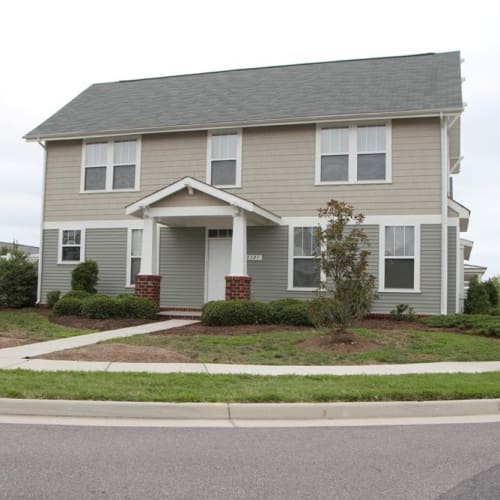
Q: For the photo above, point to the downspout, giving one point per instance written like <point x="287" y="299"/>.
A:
<point x="444" y="213"/>
<point x="42" y="217"/>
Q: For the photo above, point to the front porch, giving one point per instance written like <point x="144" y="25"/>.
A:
<point x="224" y="219"/>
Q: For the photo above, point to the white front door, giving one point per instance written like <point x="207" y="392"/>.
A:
<point x="219" y="265"/>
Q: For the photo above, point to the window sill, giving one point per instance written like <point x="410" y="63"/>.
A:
<point x="226" y="187"/>
<point x="350" y="183"/>
<point x="303" y="289"/>
<point x="69" y="262"/>
<point x="399" y="290"/>
<point x="109" y="191"/>
<point x="130" y="286"/>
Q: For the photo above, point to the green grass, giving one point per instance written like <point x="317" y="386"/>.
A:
<point x="282" y="348"/>
<point x="33" y="326"/>
<point x="245" y="388"/>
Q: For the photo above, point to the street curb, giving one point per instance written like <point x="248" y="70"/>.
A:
<point x="247" y="411"/>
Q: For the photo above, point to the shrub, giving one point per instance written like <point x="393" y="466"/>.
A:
<point x="78" y="294"/>
<point x="235" y="312"/>
<point x="478" y="299"/>
<point x="403" y="311"/>
<point x="492" y="291"/>
<point x="68" y="306"/>
<point x="289" y="312"/>
<point x="85" y="276"/>
<point x="18" y="280"/>
<point x="53" y="297"/>
<point x="479" y="323"/>
<point x="137" y="307"/>
<point x="103" y="307"/>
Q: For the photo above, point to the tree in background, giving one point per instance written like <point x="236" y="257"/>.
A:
<point x="481" y="297"/>
<point x="348" y="290"/>
<point x="18" y="279"/>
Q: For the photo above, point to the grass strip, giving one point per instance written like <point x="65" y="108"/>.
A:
<point x="244" y="388"/>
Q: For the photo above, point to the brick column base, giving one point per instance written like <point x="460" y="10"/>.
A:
<point x="148" y="286"/>
<point x="238" y="287"/>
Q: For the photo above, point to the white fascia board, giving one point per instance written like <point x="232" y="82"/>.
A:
<point x="371" y="220"/>
<point x="264" y="123"/>
<point x="95" y="224"/>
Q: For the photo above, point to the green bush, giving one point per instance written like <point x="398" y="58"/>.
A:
<point x="478" y="300"/>
<point x="137" y="307"/>
<point x="68" y="306"/>
<point x="235" y="312"/>
<point x="78" y="294"/>
<point x="103" y="307"/>
<point x="403" y="311"/>
<point x="484" y="324"/>
<point x="53" y="297"/>
<point x="85" y="276"/>
<point x="492" y="291"/>
<point x="18" y="280"/>
<point x="289" y="312"/>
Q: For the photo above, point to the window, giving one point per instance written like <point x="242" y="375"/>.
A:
<point x="306" y="271"/>
<point x="135" y="251"/>
<point x="110" y="166"/>
<point x="70" y="248"/>
<point x="220" y="233"/>
<point x="353" y="154"/>
<point x="224" y="159"/>
<point x="399" y="255"/>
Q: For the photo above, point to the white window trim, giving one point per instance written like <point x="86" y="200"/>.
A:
<point x="352" y="170"/>
<point x="291" y="257"/>
<point x="60" y="246"/>
<point x="382" y="258"/>
<point x="110" y="166"/>
<point x="239" y="148"/>
<point x="128" y="283"/>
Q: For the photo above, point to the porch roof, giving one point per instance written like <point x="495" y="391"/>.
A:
<point x="228" y="205"/>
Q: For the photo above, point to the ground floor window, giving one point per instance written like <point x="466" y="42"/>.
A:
<point x="70" y="248"/>
<point x="306" y="271"/>
<point x="399" y="257"/>
<point x="135" y="252"/>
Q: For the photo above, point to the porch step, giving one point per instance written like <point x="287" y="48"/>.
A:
<point x="180" y="314"/>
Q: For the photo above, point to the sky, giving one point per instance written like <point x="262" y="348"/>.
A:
<point x="52" y="50"/>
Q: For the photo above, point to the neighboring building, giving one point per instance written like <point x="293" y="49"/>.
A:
<point x="30" y="250"/>
<point x="199" y="187"/>
<point x="468" y="271"/>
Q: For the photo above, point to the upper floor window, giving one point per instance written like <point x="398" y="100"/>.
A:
<point x="353" y="154"/>
<point x="111" y="165"/>
<point x="224" y="159"/>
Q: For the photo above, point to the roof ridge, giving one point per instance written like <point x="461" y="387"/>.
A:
<point x="257" y="68"/>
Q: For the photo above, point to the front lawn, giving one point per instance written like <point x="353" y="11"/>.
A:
<point x="244" y="388"/>
<point x="310" y="347"/>
<point x="29" y="326"/>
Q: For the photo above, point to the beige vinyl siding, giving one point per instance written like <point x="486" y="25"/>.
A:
<point x="278" y="166"/>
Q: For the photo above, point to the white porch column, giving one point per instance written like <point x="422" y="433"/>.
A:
<point x="149" y="256"/>
<point x="239" y="245"/>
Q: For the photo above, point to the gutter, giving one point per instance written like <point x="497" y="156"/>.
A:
<point x="40" y="253"/>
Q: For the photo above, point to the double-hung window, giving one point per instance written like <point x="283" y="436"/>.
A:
<point x="135" y="252"/>
<point x="353" y="154"/>
<point x="400" y="258"/>
<point x="306" y="270"/>
<point x="70" y="246"/>
<point x="224" y="159"/>
<point x="111" y="165"/>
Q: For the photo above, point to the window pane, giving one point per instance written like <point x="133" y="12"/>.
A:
<point x="306" y="273"/>
<point x="334" y="168"/>
<point x="334" y="141"/>
<point x="96" y="154"/>
<point x="371" y="139"/>
<point x="400" y="241"/>
<point x="390" y="235"/>
<point x="71" y="237"/>
<point x="71" y="253"/>
<point x="135" y="268"/>
<point x="95" y="178"/>
<point x="224" y="173"/>
<point x="297" y="241"/>
<point x="409" y="241"/>
<point x="399" y="273"/>
<point x="371" y="167"/>
<point x="224" y="146"/>
<point x="136" y="246"/>
<point x="124" y="152"/>
<point x="304" y="242"/>
<point x="124" y="177"/>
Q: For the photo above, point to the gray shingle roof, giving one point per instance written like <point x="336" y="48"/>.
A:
<point x="425" y="82"/>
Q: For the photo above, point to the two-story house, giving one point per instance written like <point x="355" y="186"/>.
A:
<point x="199" y="187"/>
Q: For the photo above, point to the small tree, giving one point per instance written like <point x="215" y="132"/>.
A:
<point x="18" y="279"/>
<point x="85" y="276"/>
<point x="349" y="287"/>
<point x="491" y="288"/>
<point x="478" y="299"/>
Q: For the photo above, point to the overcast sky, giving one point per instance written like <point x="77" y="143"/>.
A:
<point x="52" y="50"/>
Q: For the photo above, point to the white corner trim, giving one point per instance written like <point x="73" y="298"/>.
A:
<point x="381" y="258"/>
<point x="239" y="133"/>
<point x="60" y="245"/>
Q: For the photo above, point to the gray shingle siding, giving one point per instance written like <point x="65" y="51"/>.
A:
<point x="263" y="95"/>
<point x="452" y="269"/>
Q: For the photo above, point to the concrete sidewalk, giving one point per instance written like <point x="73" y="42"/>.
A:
<point x="273" y="370"/>
<point x="41" y="348"/>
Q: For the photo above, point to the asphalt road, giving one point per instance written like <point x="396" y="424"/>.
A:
<point x="411" y="462"/>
